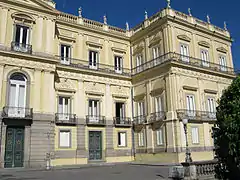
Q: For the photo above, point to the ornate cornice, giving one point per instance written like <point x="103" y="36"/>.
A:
<point x="222" y="49"/>
<point x="204" y="43"/>
<point x="65" y="85"/>
<point x="184" y="38"/>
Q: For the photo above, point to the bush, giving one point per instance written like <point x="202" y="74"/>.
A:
<point x="227" y="133"/>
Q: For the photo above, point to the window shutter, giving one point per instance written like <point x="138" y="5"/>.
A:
<point x="12" y="99"/>
<point x="123" y="139"/>
<point x="159" y="137"/>
<point x="64" y="139"/>
<point x="195" y="138"/>
<point x="21" y="97"/>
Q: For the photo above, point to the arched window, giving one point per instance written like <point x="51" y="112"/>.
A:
<point x="17" y="94"/>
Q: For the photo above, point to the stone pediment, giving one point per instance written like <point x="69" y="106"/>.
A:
<point x="222" y="49"/>
<point x="94" y="88"/>
<point x="118" y="91"/>
<point x="65" y="85"/>
<point x="138" y="49"/>
<point x="184" y="37"/>
<point x="47" y="5"/>
<point x="204" y="43"/>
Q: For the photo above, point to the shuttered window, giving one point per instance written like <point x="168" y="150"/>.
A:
<point x="195" y="135"/>
<point x="64" y="138"/>
<point x="122" y="139"/>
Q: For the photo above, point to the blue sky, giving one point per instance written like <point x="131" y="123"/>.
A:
<point x="118" y="12"/>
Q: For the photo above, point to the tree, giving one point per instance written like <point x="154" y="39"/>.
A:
<point x="227" y="133"/>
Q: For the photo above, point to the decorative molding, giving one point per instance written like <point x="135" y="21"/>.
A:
<point x="184" y="38"/>
<point x="157" y="92"/>
<point x="118" y="91"/>
<point x="190" y="88"/>
<point x="222" y="49"/>
<point x="96" y="44"/>
<point x="138" y="49"/>
<point x="139" y="97"/>
<point x="65" y="85"/>
<point x="26" y="63"/>
<point x="119" y="50"/>
<point x="210" y="91"/>
<point x="154" y="41"/>
<point x="23" y="17"/>
<point x="93" y="88"/>
<point x="204" y="43"/>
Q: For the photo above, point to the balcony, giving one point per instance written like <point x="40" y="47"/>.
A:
<point x="17" y="113"/>
<point x="196" y="115"/>
<point x="122" y="122"/>
<point x="140" y="120"/>
<point x="185" y="60"/>
<point x="82" y="64"/>
<point x="65" y="119"/>
<point x="95" y="120"/>
<point x="157" y="116"/>
<point x="23" y="48"/>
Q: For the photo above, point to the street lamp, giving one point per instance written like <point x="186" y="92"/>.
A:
<point x="188" y="158"/>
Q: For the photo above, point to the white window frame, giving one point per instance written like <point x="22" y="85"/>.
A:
<point x="21" y="47"/>
<point x="65" y="59"/>
<point x="68" y="144"/>
<point x="122" y="136"/>
<point x="17" y="111"/>
<point x="159" y="135"/>
<point x="195" y="135"/>
<point x="139" y="62"/>
<point x="65" y="114"/>
<point x="93" y="61"/>
<point x="122" y="110"/>
<point x="184" y="52"/>
<point x="211" y="105"/>
<point x="94" y="112"/>
<point x="141" y="140"/>
<point x="223" y="62"/>
<point x="190" y="105"/>
<point x="205" y="57"/>
<point x="118" y="64"/>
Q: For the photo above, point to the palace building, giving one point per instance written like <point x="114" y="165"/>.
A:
<point x="77" y="91"/>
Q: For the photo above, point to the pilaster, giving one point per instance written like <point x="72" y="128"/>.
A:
<point x="3" y="25"/>
<point x="39" y="35"/>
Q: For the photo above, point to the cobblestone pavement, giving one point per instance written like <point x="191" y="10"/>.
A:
<point x="114" y="172"/>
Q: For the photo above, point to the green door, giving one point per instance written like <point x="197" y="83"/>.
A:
<point x="95" y="145"/>
<point x="14" y="147"/>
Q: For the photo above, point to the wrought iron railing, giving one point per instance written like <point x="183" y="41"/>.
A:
<point x="83" y="64"/>
<point x="21" y="47"/>
<point x="65" y="118"/>
<point x="140" y="119"/>
<point x="122" y="121"/>
<point x="17" y="112"/>
<point x="95" y="120"/>
<point x="196" y="115"/>
<point x="169" y="57"/>
<point x="157" y="116"/>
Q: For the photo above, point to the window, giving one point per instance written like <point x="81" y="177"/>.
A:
<point x="120" y="112"/>
<point x="156" y="54"/>
<point x="184" y="51"/>
<point x="64" y="139"/>
<point x="122" y="139"/>
<point x="93" y="110"/>
<point x="139" y="62"/>
<point x="140" y="112"/>
<point x="65" y="54"/>
<point x="190" y="105"/>
<point x="118" y="64"/>
<point x="223" y="63"/>
<point x="195" y="137"/>
<point x="211" y="107"/>
<point x="159" y="104"/>
<point x="17" y="95"/>
<point x="159" y="133"/>
<point x="141" y="139"/>
<point x="22" y="35"/>
<point x="205" y="58"/>
<point x="93" y="59"/>
<point x="64" y="108"/>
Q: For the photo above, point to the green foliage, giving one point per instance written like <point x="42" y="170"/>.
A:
<point x="227" y="133"/>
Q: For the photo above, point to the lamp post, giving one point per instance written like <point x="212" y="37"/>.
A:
<point x="188" y="158"/>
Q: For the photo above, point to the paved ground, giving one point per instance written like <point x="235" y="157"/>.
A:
<point x="114" y="172"/>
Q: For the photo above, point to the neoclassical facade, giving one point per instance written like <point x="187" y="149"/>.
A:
<point x="76" y="91"/>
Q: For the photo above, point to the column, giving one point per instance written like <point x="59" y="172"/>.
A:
<point x="49" y="36"/>
<point x="79" y="47"/>
<point x="36" y="91"/>
<point x="3" y="25"/>
<point x="2" y="145"/>
<point x="207" y="143"/>
<point x="27" y="145"/>
<point x="166" y="40"/>
<point x="1" y="80"/>
<point x="39" y="35"/>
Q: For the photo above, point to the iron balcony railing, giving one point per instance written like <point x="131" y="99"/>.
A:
<point x="65" y="118"/>
<point x="158" y="116"/>
<point x="196" y="115"/>
<point x="83" y="64"/>
<point x="140" y="119"/>
<point x="17" y="112"/>
<point x="95" y="120"/>
<point x="21" y="47"/>
<point x="170" y="57"/>
<point x="122" y="121"/>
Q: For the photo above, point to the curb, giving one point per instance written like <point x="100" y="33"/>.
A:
<point x="154" y="164"/>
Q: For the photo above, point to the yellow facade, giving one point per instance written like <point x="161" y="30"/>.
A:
<point x="97" y="93"/>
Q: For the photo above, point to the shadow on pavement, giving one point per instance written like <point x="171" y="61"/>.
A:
<point x="11" y="177"/>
